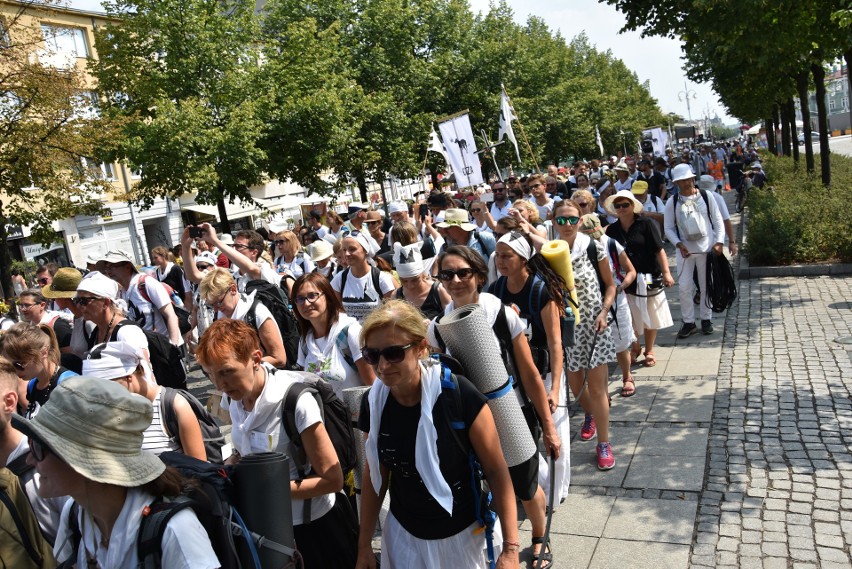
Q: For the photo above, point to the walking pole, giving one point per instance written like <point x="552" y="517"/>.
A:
<point x="524" y="134"/>
<point x="552" y="486"/>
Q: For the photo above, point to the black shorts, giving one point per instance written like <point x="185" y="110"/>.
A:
<point x="525" y="478"/>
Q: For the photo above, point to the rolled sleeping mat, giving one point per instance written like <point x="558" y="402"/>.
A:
<point x="352" y="397"/>
<point x="558" y="255"/>
<point x="262" y="497"/>
<point x="470" y="340"/>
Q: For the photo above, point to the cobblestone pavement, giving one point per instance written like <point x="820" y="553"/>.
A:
<point x="778" y="487"/>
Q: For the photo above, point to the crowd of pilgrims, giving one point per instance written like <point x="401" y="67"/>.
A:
<point x="366" y="294"/>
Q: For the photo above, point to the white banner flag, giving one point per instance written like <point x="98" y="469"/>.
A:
<point x="598" y="140"/>
<point x="507" y="115"/>
<point x="435" y="145"/>
<point x="658" y="138"/>
<point x="461" y="150"/>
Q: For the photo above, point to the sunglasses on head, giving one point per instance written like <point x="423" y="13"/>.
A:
<point x="392" y="354"/>
<point x="622" y="205"/>
<point x="462" y="274"/>
<point x="37" y="448"/>
<point x="562" y="220"/>
<point x="19" y="365"/>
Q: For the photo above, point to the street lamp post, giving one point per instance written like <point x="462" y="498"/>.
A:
<point x="686" y="95"/>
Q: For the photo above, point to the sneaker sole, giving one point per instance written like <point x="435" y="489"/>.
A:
<point x="707" y="332"/>
<point x="605" y="468"/>
<point x="691" y="332"/>
<point x="590" y="437"/>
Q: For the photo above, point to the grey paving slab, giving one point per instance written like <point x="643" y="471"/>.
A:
<point x="669" y="409"/>
<point x="636" y="407"/>
<point x="685" y="473"/>
<point x="677" y="441"/>
<point x="687" y="388"/>
<point x="569" y="551"/>
<point x="613" y="553"/>
<point x="582" y="515"/>
<point x="643" y="519"/>
<point x="584" y="469"/>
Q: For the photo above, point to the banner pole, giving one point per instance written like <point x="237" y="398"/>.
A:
<point x="523" y="132"/>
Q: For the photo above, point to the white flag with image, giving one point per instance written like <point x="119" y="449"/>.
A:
<point x="435" y="144"/>
<point x="507" y="115"/>
<point x="461" y="150"/>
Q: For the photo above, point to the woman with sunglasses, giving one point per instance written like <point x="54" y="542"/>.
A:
<point x="585" y="201"/>
<point x="219" y="290"/>
<point x="34" y="353"/>
<point x="168" y="272"/>
<point x="329" y="345"/>
<point x="418" y="288"/>
<point x="412" y="451"/>
<point x="360" y="286"/>
<point x="464" y="274"/>
<point x="86" y="443"/>
<point x="593" y="349"/>
<point x="97" y="298"/>
<point x="290" y="257"/>
<point x="230" y="355"/>
<point x="646" y="297"/>
<point x="33" y="307"/>
<point x="481" y="216"/>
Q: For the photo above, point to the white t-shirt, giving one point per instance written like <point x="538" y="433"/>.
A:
<point x="360" y="297"/>
<point x="723" y="207"/>
<point x="498" y="212"/>
<point x="491" y="305"/>
<point x="185" y="544"/>
<point x="323" y="356"/>
<point x="300" y="265"/>
<point x="261" y="313"/>
<point x="261" y="430"/>
<point x="147" y="313"/>
<point x="653" y="204"/>
<point x="543" y="210"/>
<point x="267" y="273"/>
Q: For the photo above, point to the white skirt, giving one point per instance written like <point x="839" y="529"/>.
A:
<point x="401" y="550"/>
<point x="657" y="310"/>
<point x="562" y="468"/>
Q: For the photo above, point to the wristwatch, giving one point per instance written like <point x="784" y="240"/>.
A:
<point x="618" y="289"/>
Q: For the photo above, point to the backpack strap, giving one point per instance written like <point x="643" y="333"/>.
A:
<point x="167" y="413"/>
<point x="143" y="290"/>
<point x="251" y="314"/>
<point x="75" y="536"/>
<point x="155" y="518"/>
<point x="342" y="342"/>
<point x="288" y="411"/>
<point x="343" y="276"/>
<point x="22" y="530"/>
<point x="375" y="273"/>
<point x="707" y="204"/>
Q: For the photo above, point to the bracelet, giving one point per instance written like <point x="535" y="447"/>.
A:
<point x="507" y="544"/>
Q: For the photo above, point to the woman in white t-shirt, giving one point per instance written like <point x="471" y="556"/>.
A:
<point x="356" y="286"/>
<point x="289" y="256"/>
<point x="219" y="290"/>
<point x="97" y="297"/>
<point x="329" y="345"/>
<point x="254" y="396"/>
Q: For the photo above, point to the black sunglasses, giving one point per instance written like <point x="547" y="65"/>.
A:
<point x="43" y="281"/>
<point x="562" y="220"/>
<point x="84" y="300"/>
<point x="393" y="354"/>
<point x="462" y="274"/>
<point x="38" y="448"/>
<point x="622" y="205"/>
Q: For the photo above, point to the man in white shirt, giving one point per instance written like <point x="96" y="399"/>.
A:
<point x="694" y="226"/>
<point x="539" y="198"/>
<point x="315" y="221"/>
<point x="501" y="206"/>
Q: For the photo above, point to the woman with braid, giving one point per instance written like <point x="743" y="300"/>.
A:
<point x="531" y="286"/>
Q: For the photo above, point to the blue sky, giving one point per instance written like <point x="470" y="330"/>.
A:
<point x="654" y="59"/>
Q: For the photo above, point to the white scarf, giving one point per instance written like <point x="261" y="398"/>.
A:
<point x="426" y="443"/>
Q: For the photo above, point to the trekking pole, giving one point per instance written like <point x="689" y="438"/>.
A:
<point x="546" y="539"/>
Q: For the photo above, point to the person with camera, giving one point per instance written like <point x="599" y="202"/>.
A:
<point x="244" y="254"/>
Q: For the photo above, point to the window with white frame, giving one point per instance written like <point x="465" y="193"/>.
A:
<point x="61" y="40"/>
<point x="86" y="105"/>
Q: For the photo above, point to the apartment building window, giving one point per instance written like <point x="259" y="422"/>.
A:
<point x="844" y="102"/>
<point x="87" y="105"/>
<point x="832" y="104"/>
<point x="66" y="41"/>
<point x="96" y="171"/>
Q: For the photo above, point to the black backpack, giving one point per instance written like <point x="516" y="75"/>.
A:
<point x="375" y="272"/>
<point x="721" y="285"/>
<point x="211" y="500"/>
<point x="166" y="358"/>
<point x="275" y="299"/>
<point x="335" y="416"/>
<point x="212" y="436"/>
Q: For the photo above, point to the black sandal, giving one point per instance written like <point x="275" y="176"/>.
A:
<point x="545" y="556"/>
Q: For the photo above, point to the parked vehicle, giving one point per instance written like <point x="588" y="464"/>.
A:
<point x="814" y="137"/>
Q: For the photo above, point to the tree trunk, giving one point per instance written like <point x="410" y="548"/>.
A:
<point x="776" y="119"/>
<point x="824" y="156"/>
<point x="847" y="55"/>
<point x="5" y="264"/>
<point x="794" y="132"/>
<point x="802" y="87"/>
<point x="770" y="132"/>
<point x="362" y="187"/>
<point x="224" y="222"/>
<point x="785" y="129"/>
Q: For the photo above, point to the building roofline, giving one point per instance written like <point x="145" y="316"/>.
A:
<point x="35" y="5"/>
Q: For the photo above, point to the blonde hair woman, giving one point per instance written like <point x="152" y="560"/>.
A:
<point x="529" y="218"/>
<point x="290" y="257"/>
<point x="416" y="457"/>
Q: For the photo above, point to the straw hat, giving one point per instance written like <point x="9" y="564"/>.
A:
<point x="64" y="284"/>
<point x="622" y="195"/>
<point x="621" y="167"/>
<point x="456" y="217"/>
<point x="96" y="427"/>
<point x="319" y="250"/>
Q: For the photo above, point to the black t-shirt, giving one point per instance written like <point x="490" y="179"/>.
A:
<point x="411" y="503"/>
<point x="523" y="301"/>
<point x="642" y="243"/>
<point x="431" y="307"/>
<point x="174" y="279"/>
<point x="655" y="180"/>
<point x="37" y="395"/>
<point x="63" y="332"/>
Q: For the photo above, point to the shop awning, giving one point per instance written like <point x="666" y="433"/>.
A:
<point x="234" y="210"/>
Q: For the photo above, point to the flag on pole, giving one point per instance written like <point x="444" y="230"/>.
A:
<point x="461" y="149"/>
<point x="507" y="115"/>
<point x="598" y="140"/>
<point x="435" y="145"/>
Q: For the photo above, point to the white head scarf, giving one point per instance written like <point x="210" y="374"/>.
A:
<point x="519" y="244"/>
<point x="407" y="260"/>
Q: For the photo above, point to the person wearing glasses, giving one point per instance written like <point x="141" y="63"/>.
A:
<point x="43" y="277"/>
<point x="229" y="353"/>
<point x="329" y="345"/>
<point x="412" y="453"/>
<point x="34" y="353"/>
<point x="33" y="307"/>
<point x="418" y="288"/>
<point x="527" y="216"/>
<point x="464" y="275"/>
<point x="218" y="289"/>
<point x="500" y="207"/>
<point x="538" y="196"/>
<point x="594" y="348"/>
<point x="244" y="254"/>
<point x="584" y="200"/>
<point x="480" y="214"/>
<point x="291" y="259"/>
<point x="62" y="290"/>
<point x="97" y="300"/>
<point x="87" y="444"/>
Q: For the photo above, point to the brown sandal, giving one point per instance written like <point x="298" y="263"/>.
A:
<point x="629" y="387"/>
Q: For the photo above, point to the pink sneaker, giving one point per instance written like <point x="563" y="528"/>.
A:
<point x="605" y="458"/>
<point x="589" y="428"/>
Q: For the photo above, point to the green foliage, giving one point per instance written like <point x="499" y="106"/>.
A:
<point x="798" y="220"/>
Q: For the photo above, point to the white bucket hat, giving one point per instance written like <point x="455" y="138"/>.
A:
<point x="622" y="195"/>
<point x="96" y="427"/>
<point x="682" y="172"/>
<point x="320" y="249"/>
<point x="457" y="217"/>
<point x="100" y="285"/>
<point x="706" y="183"/>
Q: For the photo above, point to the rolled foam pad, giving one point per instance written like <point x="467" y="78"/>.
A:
<point x="352" y="398"/>
<point x="558" y="255"/>
<point x="470" y="340"/>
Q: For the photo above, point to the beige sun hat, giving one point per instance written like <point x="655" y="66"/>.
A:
<point x="457" y="217"/>
<point x="622" y="195"/>
<point x="319" y="250"/>
<point x="64" y="283"/>
<point x="96" y="427"/>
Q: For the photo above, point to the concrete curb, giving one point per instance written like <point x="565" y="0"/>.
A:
<point x="746" y="271"/>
